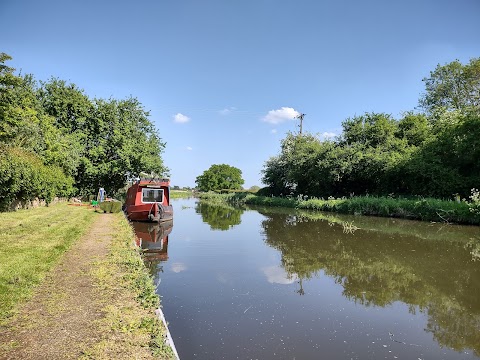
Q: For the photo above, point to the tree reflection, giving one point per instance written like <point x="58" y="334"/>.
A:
<point x="376" y="268"/>
<point x="219" y="217"/>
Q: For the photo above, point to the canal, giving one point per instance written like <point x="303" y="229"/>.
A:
<point x="267" y="283"/>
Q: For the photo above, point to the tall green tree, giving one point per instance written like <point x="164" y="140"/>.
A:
<point x="123" y="143"/>
<point x="219" y="177"/>
<point x="55" y="127"/>
<point x="452" y="86"/>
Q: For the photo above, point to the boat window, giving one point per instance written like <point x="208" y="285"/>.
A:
<point x="152" y="195"/>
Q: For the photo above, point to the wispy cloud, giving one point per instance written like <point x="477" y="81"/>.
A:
<point x="280" y="115"/>
<point x="227" y="111"/>
<point x="273" y="131"/>
<point x="180" y="118"/>
<point x="189" y="148"/>
<point x="328" y="135"/>
<point x="276" y="275"/>
<point x="178" y="267"/>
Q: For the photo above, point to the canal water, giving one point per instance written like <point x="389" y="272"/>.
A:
<point x="268" y="283"/>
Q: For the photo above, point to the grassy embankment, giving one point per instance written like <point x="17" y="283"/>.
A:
<point x="33" y="241"/>
<point x="129" y="299"/>
<point x="420" y="209"/>
<point x="180" y="194"/>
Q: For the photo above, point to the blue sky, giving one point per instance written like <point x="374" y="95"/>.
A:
<point x="222" y="79"/>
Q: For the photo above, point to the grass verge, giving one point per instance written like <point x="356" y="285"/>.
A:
<point x="180" y="194"/>
<point x="420" y="209"/>
<point x="31" y="243"/>
<point x="130" y="327"/>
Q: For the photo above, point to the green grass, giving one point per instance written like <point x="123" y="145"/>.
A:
<point x="180" y="194"/>
<point x="420" y="209"/>
<point x="31" y="243"/>
<point x="129" y="324"/>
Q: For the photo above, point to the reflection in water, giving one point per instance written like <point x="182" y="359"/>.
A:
<point x="277" y="275"/>
<point x="152" y="238"/>
<point x="219" y="217"/>
<point x="375" y="268"/>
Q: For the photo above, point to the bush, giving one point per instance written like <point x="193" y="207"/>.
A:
<point x="111" y="206"/>
<point x="23" y="176"/>
<point x="265" y="191"/>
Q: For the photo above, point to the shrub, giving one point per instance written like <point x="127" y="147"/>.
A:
<point x="23" y="176"/>
<point x="111" y="206"/>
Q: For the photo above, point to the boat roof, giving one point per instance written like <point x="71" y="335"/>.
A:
<point x="158" y="182"/>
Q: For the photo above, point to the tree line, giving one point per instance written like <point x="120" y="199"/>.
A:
<point x="434" y="151"/>
<point x="57" y="141"/>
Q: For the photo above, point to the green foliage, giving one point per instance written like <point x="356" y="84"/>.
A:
<point x="111" y="206"/>
<point x="452" y="86"/>
<point x="98" y="143"/>
<point x="219" y="177"/>
<point x="23" y="176"/>
<point x="426" y="209"/>
<point x="124" y="143"/>
<point x="435" y="154"/>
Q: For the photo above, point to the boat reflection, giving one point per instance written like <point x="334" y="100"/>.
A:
<point x="152" y="238"/>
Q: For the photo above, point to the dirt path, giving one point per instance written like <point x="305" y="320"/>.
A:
<point x="58" y="322"/>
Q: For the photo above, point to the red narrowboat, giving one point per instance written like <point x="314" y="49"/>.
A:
<point x="149" y="200"/>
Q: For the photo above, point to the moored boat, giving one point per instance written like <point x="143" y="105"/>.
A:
<point x="149" y="200"/>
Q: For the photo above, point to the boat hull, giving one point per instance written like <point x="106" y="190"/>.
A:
<point x="156" y="213"/>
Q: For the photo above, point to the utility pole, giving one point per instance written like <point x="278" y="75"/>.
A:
<point x="300" y="117"/>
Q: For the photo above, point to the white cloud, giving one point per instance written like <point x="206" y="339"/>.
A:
<point x="180" y="118"/>
<point x="227" y="111"/>
<point x="178" y="267"/>
<point x="189" y="148"/>
<point x="276" y="275"/>
<point x="273" y="131"/>
<point x="328" y="135"/>
<point x="280" y="115"/>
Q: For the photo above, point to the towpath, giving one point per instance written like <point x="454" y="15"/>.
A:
<point x="59" y="320"/>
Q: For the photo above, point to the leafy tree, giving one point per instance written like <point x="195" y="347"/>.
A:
<point x="19" y="118"/>
<point x="452" y="86"/>
<point x="124" y="143"/>
<point x="370" y="129"/>
<point x="414" y="128"/>
<point x="219" y="177"/>
<point x="87" y="143"/>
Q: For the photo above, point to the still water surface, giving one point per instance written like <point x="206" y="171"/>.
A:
<point x="272" y="283"/>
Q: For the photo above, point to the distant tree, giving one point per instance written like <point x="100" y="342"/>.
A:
<point x="453" y="86"/>
<point x="219" y="177"/>
<point x="219" y="217"/>
<point x="254" y="188"/>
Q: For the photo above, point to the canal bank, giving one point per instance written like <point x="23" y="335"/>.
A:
<point x="96" y="301"/>
<point x="424" y="209"/>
